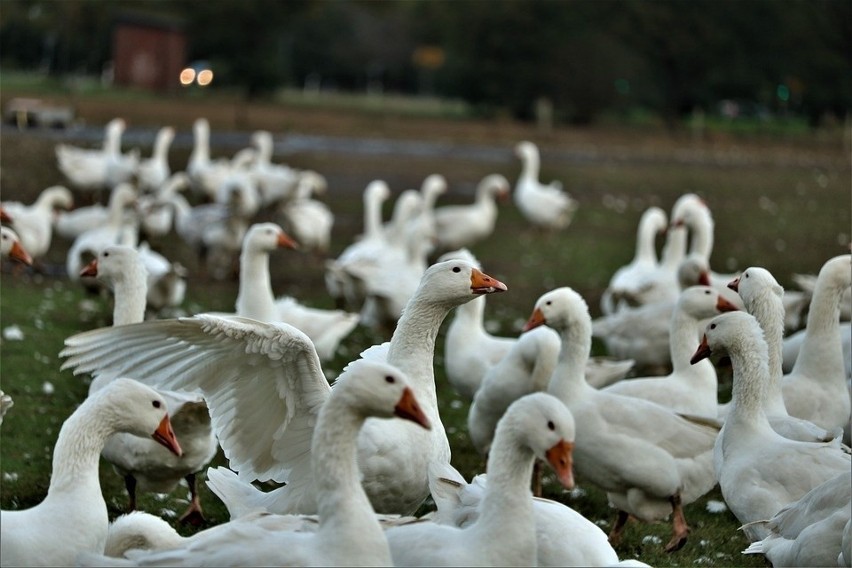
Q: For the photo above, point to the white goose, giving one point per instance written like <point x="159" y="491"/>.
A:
<point x="564" y="537"/>
<point x="227" y="357"/>
<point x="343" y="287"/>
<point x="276" y="183"/>
<point x="546" y="206"/>
<point x="309" y="220"/>
<point x="143" y="464"/>
<point x="255" y="299"/>
<point x="348" y="533"/>
<point x="692" y="211"/>
<point x="763" y="298"/>
<point x="504" y="533"/>
<point x="90" y="170"/>
<point x="11" y="247"/>
<point x="34" y="223"/>
<point x="72" y="518"/>
<point x="650" y="460"/>
<point x="122" y="227"/>
<point x="154" y="171"/>
<point x="157" y="214"/>
<point x="626" y="279"/>
<point x="816" y="388"/>
<point x="688" y="389"/>
<point x="759" y="471"/>
<point x="526" y="368"/>
<point x="809" y="532"/>
<point x="458" y="226"/>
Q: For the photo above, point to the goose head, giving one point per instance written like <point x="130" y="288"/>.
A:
<point x="455" y="282"/>
<point x="266" y="237"/>
<point x="377" y="190"/>
<point x="526" y="151"/>
<point x="137" y="409"/>
<point x="559" y="309"/>
<point x="11" y="246"/>
<point x="726" y="332"/>
<point x="495" y="185"/>
<point x="753" y="282"/>
<point x="545" y="426"/>
<point x="433" y="186"/>
<point x="837" y="272"/>
<point x="115" y="262"/>
<point x="693" y="270"/>
<point x="688" y="209"/>
<point x="701" y="302"/>
<point x="379" y="390"/>
<point x="57" y="197"/>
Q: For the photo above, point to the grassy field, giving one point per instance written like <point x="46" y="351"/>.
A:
<point x="782" y="203"/>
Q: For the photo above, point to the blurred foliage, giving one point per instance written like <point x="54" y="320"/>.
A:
<point x="586" y="57"/>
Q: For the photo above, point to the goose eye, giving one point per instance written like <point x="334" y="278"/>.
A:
<point x="456" y="269"/>
<point x="746" y="274"/>
<point x="106" y="254"/>
<point x="712" y="326"/>
<point x="547" y="303"/>
<point x="706" y="292"/>
<point x="155" y="403"/>
<point x="551" y="425"/>
<point x="390" y="379"/>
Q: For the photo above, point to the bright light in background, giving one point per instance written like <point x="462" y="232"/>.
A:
<point x="205" y="77"/>
<point x="187" y="76"/>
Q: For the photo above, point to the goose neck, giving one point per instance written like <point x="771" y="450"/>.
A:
<point x="507" y="502"/>
<point x="76" y="455"/>
<point x="821" y="347"/>
<point x="343" y="506"/>
<point x="674" y="251"/>
<point x="130" y="298"/>
<point x="646" y="250"/>
<point x="749" y="359"/>
<point x="702" y="237"/>
<point x="683" y="338"/>
<point x="768" y="309"/>
<point x="568" y="380"/>
<point x="412" y="346"/>
<point x="530" y="169"/>
<point x="255" y="298"/>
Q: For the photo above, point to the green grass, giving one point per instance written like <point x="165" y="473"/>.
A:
<point x="781" y="207"/>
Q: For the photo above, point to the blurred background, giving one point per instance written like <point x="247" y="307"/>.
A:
<point x="569" y="62"/>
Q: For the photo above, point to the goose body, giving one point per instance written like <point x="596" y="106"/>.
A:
<point x="650" y="460"/>
<point x="564" y="537"/>
<point x="546" y="206"/>
<point x="309" y="220"/>
<point x="326" y="328"/>
<point x="72" y="518"/>
<point x="348" y="532"/>
<point x="394" y="459"/>
<point x="688" y="389"/>
<point x="504" y="533"/>
<point x="809" y="532"/>
<point x="34" y="223"/>
<point x="458" y="226"/>
<point x="759" y="471"/>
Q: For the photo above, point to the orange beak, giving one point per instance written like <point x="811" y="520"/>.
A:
<point x="724" y="305"/>
<point x="536" y="319"/>
<point x="286" y="241"/>
<point x="560" y="459"/>
<point x="734" y="284"/>
<point x="18" y="253"/>
<point x="90" y="269"/>
<point x="704" y="278"/>
<point x="408" y="409"/>
<point x="166" y="436"/>
<point x="4" y="217"/>
<point x="481" y="283"/>
<point x="702" y="352"/>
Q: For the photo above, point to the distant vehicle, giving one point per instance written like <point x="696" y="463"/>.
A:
<point x="29" y="113"/>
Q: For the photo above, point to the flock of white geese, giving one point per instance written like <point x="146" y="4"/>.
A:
<point x="357" y="457"/>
